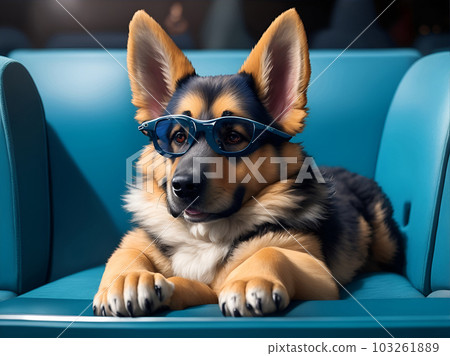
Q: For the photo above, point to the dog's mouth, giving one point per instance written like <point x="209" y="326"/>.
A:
<point x="198" y="212"/>
<point x="194" y="215"/>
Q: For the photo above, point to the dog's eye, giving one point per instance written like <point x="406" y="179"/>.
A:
<point x="187" y="113"/>
<point x="227" y="113"/>
<point x="179" y="137"/>
<point x="233" y="138"/>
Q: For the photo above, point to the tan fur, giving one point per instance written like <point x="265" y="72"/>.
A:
<point x="193" y="103"/>
<point x="138" y="240"/>
<point x="288" y="273"/>
<point x="383" y="248"/>
<point x="153" y="168"/>
<point x="281" y="240"/>
<point x="227" y="102"/>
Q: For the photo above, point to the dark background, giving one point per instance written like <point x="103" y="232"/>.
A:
<point x="202" y="24"/>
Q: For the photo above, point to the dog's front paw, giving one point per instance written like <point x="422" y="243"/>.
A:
<point x="255" y="297"/>
<point x="133" y="294"/>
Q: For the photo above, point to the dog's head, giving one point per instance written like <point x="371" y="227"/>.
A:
<point x="270" y="88"/>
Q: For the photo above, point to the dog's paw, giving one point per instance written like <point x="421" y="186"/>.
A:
<point x="255" y="297"/>
<point x="134" y="294"/>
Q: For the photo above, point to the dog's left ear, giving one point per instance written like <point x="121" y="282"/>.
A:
<point x="279" y="64"/>
<point x="155" y="65"/>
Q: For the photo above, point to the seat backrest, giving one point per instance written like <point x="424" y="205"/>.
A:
<point x="24" y="184"/>
<point x="413" y="156"/>
<point x="91" y="131"/>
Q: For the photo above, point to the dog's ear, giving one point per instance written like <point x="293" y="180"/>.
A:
<point x="279" y="64"/>
<point x="155" y="65"/>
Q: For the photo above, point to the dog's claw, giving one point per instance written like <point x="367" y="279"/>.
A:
<point x="249" y="306"/>
<point x="259" y="305"/>
<point x="103" y="311"/>
<point x="130" y="308"/>
<point x="94" y="309"/>
<point x="148" y="305"/>
<point x="236" y="313"/>
<point x="224" y="312"/>
<point x="277" y="300"/>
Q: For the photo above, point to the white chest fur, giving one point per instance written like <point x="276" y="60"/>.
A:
<point x="196" y="251"/>
<point x="198" y="260"/>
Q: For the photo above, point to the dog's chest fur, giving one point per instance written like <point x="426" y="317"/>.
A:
<point x="194" y="250"/>
<point x="198" y="259"/>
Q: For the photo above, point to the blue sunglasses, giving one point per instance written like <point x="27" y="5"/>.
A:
<point x="174" y="135"/>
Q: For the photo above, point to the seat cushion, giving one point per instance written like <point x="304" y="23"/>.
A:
<point x="439" y="294"/>
<point x="83" y="285"/>
<point x="6" y="294"/>
<point x="382" y="285"/>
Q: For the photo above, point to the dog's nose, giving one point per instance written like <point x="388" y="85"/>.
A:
<point x="184" y="187"/>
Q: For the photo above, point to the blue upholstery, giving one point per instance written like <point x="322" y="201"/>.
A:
<point x="349" y="103"/>
<point x="84" y="285"/>
<point x="77" y="221"/>
<point x="412" y="159"/>
<point x="81" y="285"/>
<point x="6" y="294"/>
<point x="381" y="285"/>
<point x="24" y="190"/>
<point x="439" y="294"/>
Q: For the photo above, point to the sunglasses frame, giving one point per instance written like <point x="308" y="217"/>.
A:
<point x="207" y="127"/>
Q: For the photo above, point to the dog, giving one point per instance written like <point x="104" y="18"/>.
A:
<point x="248" y="240"/>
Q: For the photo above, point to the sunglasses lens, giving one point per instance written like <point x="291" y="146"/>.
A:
<point x="233" y="135"/>
<point x="172" y="135"/>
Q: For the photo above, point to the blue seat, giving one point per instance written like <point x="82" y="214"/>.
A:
<point x="66" y="172"/>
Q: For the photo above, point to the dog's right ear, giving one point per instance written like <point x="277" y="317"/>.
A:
<point x="155" y="65"/>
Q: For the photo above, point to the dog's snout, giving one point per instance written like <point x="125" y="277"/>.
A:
<point x="184" y="187"/>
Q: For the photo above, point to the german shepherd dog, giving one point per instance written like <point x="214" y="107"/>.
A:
<point x="251" y="242"/>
